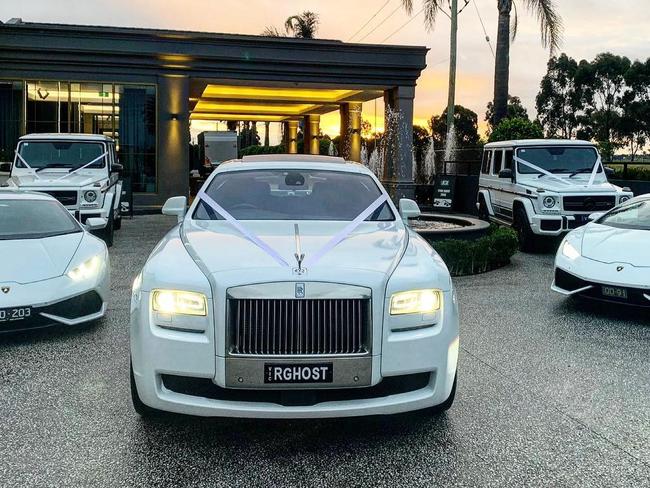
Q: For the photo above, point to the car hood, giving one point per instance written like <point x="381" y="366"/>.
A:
<point x="372" y="246"/>
<point x="614" y="245"/>
<point x="30" y="260"/>
<point x="47" y="179"/>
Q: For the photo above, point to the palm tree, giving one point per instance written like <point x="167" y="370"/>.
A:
<point x="304" y="25"/>
<point x="550" y="24"/>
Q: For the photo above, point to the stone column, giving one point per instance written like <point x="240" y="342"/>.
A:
<point x="398" y="168"/>
<point x="173" y="158"/>
<point x="344" y="141"/>
<point x="312" y="138"/>
<point x="354" y="110"/>
<point x="292" y="136"/>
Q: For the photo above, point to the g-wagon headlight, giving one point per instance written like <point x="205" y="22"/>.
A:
<point x="179" y="302"/>
<point x="90" y="196"/>
<point x="549" y="202"/>
<point x="415" y="301"/>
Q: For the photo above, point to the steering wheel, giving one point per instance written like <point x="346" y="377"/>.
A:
<point x="238" y="206"/>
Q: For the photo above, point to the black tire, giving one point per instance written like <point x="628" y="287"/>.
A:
<point x="117" y="221"/>
<point x="141" y="409"/>
<point x="527" y="239"/>
<point x="444" y="406"/>
<point x="483" y="213"/>
<point x="107" y="233"/>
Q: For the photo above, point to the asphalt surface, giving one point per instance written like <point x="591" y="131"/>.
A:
<point x="550" y="393"/>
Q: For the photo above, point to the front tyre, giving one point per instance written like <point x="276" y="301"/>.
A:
<point x="527" y="239"/>
<point x="483" y="213"/>
<point x="141" y="409"/>
<point x="107" y="233"/>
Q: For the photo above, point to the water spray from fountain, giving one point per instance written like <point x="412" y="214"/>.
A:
<point x="450" y="150"/>
<point x="364" y="156"/>
<point x="331" y="150"/>
<point x="430" y="163"/>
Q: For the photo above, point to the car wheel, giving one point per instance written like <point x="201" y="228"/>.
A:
<point x="106" y="234"/>
<point x="141" y="409"/>
<point x="117" y="224"/>
<point x="483" y="213"/>
<point x="446" y="405"/>
<point x="527" y="239"/>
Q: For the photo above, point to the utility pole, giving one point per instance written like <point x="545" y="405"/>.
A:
<point x="451" y="101"/>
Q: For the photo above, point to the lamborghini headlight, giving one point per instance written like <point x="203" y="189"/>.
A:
<point x="87" y="269"/>
<point x="415" y="301"/>
<point x="569" y="251"/>
<point x="179" y="302"/>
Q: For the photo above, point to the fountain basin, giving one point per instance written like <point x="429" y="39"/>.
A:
<point x="437" y="227"/>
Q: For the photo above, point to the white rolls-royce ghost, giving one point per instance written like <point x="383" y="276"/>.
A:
<point x="608" y="259"/>
<point x="292" y="288"/>
<point x="52" y="271"/>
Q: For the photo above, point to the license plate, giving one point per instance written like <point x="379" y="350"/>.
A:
<point x="15" y="314"/>
<point x="614" y="292"/>
<point x="298" y="373"/>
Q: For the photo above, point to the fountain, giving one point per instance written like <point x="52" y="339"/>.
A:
<point x="374" y="164"/>
<point x="331" y="150"/>
<point x="364" y="155"/>
<point x="414" y="164"/>
<point x="430" y="163"/>
<point x="450" y="150"/>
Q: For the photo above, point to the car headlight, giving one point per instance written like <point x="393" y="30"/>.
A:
<point x="179" y="302"/>
<point x="624" y="199"/>
<point x="549" y="202"/>
<point x="87" y="269"/>
<point x="90" y="196"/>
<point x="415" y="301"/>
<point x="569" y="251"/>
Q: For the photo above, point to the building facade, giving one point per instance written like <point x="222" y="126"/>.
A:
<point x="143" y="86"/>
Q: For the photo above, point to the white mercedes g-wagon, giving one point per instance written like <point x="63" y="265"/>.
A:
<point x="79" y="170"/>
<point x="544" y="187"/>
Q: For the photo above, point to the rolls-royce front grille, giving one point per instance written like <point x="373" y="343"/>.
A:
<point x="299" y="327"/>
<point x="67" y="198"/>
<point x="592" y="203"/>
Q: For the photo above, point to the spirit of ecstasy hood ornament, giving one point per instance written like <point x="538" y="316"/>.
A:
<point x="299" y="255"/>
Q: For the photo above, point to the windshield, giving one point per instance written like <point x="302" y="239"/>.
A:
<point x="34" y="219"/>
<point x="558" y="159"/>
<point x="293" y="195"/>
<point x="60" y="154"/>
<point x="631" y="216"/>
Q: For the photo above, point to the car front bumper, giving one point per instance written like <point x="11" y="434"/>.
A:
<point x="179" y="372"/>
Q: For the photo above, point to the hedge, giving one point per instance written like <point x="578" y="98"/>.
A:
<point x="633" y="173"/>
<point x="489" y="252"/>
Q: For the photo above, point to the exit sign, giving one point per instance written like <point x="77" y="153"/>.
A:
<point x="104" y="94"/>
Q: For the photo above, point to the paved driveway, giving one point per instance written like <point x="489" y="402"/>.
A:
<point x="550" y="393"/>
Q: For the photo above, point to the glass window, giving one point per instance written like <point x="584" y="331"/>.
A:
<point x="508" y="162"/>
<point x="487" y="159"/>
<point x="558" y="159"/>
<point x="34" y="219"/>
<point x="634" y="215"/>
<point x="60" y="154"/>
<point x="293" y="195"/>
<point x="11" y="117"/>
<point x="498" y="162"/>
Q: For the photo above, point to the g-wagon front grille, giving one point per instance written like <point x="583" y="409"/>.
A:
<point x="67" y="198"/>
<point x="298" y="327"/>
<point x="589" y="203"/>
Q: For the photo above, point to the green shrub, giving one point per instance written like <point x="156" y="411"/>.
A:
<point x="254" y="150"/>
<point x="484" y="254"/>
<point x="633" y="173"/>
<point x="516" y="128"/>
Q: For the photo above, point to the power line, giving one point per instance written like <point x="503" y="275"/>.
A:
<point x="369" y="20"/>
<point x="487" y="38"/>
<point x="403" y="25"/>
<point x="381" y="23"/>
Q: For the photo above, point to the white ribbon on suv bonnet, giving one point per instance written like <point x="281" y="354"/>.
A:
<point x="328" y="246"/>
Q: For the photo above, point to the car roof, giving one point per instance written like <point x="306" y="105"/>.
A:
<point x="539" y="142"/>
<point x="16" y="194"/>
<point x="75" y="137"/>
<point x="291" y="161"/>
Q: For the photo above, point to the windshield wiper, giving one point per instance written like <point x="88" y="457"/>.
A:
<point x="581" y="170"/>
<point x="554" y="170"/>
<point x="53" y="165"/>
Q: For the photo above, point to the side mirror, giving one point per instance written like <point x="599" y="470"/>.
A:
<point x="506" y="174"/>
<point x="175" y="206"/>
<point x="609" y="172"/>
<point x="117" y="167"/>
<point x="5" y="167"/>
<point x="408" y="209"/>
<point x="595" y="216"/>
<point x="96" y="223"/>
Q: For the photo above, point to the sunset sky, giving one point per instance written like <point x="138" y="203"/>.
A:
<point x="591" y="26"/>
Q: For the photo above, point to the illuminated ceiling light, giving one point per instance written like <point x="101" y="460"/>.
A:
<point x="273" y="93"/>
<point x="255" y="118"/>
<point x="253" y="108"/>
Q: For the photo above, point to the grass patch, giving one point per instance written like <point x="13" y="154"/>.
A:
<point x="489" y="252"/>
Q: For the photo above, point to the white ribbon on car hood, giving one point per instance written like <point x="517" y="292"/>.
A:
<point x="329" y="245"/>
<point x="28" y="166"/>
<point x="65" y="175"/>
<point x="594" y="172"/>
